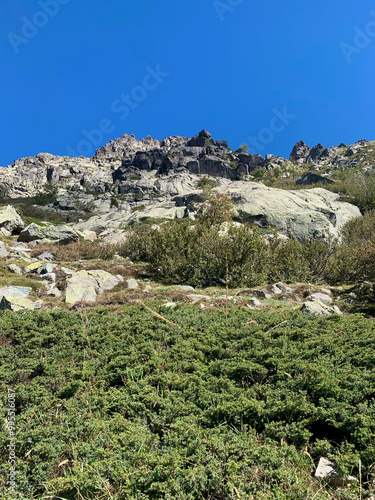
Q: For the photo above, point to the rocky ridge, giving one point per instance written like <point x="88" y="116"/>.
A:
<point x="128" y="181"/>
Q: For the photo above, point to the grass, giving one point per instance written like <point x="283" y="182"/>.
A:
<point x="7" y="278"/>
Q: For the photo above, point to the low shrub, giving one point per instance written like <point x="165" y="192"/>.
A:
<point x="207" y="183"/>
<point x="82" y="250"/>
<point x="199" y="255"/>
<point x="122" y="405"/>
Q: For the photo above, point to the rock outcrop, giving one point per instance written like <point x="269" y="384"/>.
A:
<point x="129" y="181"/>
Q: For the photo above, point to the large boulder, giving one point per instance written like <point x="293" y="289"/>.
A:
<point x="83" y="286"/>
<point x="10" y="220"/>
<point x="17" y="304"/>
<point x="80" y="293"/>
<point x="15" y="291"/>
<point x="57" y="234"/>
<point x="303" y="214"/>
<point x="319" y="308"/>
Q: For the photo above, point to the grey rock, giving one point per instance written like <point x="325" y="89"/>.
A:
<point x="15" y="269"/>
<point x="197" y="296"/>
<point x="129" y="180"/>
<point x="186" y="288"/>
<point x="326" y="470"/>
<point x="19" y="245"/>
<point x="83" y="286"/>
<point x="68" y="271"/>
<point x="255" y="302"/>
<point x="10" y="220"/>
<point x="49" y="277"/>
<point x="280" y="285"/>
<point x="48" y="268"/>
<point x="15" y="291"/>
<point x="170" y="305"/>
<point x="300" y="153"/>
<point x="54" y="292"/>
<point x="101" y="281"/>
<point x="3" y="250"/>
<point x="320" y="309"/>
<point x="318" y="154"/>
<point x="132" y="283"/>
<point x="58" y="234"/>
<point x="113" y="236"/>
<point x="80" y="293"/>
<point x="276" y="290"/>
<point x="16" y="303"/>
<point x="303" y="214"/>
<point x="320" y="297"/>
<point x="47" y="255"/>
<point x="4" y="232"/>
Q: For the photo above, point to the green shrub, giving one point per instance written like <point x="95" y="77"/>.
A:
<point x="207" y="183"/>
<point x="359" y="188"/>
<point x="292" y="261"/>
<point x="259" y="174"/>
<point x="289" y="262"/>
<point x="46" y="198"/>
<point x="198" y="255"/>
<point x="244" y="148"/>
<point x="114" y="203"/>
<point x="359" y="230"/>
<point x="242" y="251"/>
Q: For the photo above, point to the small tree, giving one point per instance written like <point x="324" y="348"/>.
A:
<point x="244" y="148"/>
<point x="216" y="209"/>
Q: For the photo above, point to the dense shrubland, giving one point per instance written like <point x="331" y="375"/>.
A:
<point x="121" y="405"/>
<point x="199" y="254"/>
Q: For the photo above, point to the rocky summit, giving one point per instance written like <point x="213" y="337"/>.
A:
<point x="129" y="181"/>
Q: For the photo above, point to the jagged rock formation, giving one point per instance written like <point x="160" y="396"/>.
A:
<point x="128" y="181"/>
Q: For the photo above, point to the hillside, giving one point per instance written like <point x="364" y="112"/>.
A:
<point x="183" y="321"/>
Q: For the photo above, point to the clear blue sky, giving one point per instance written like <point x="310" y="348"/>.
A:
<point x="223" y="66"/>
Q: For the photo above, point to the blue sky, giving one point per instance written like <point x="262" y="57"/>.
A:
<point x="77" y="73"/>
